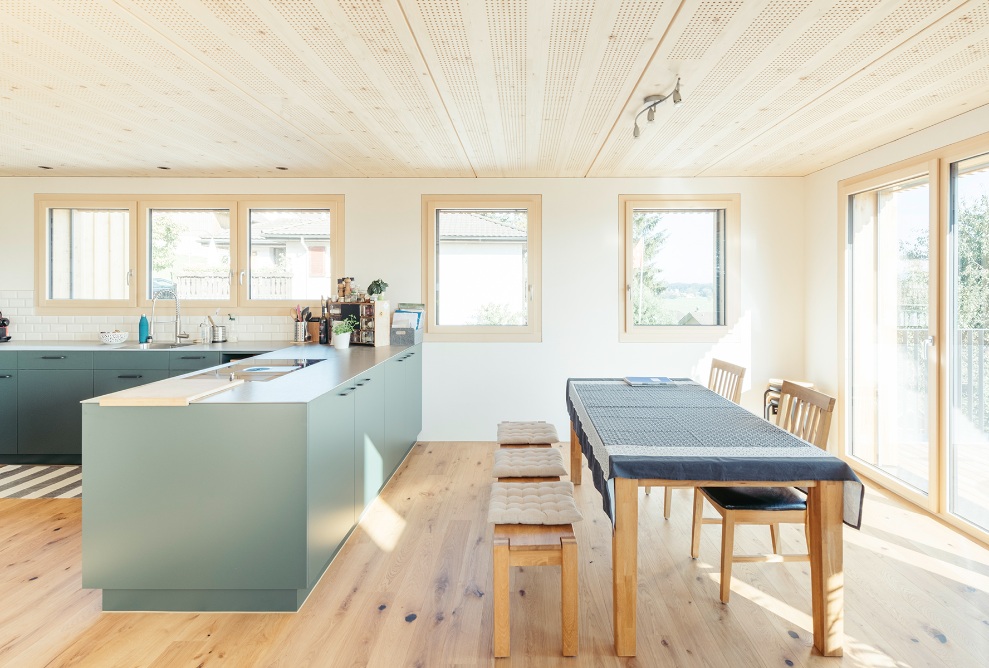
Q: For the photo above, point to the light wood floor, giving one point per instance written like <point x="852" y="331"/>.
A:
<point x="412" y="588"/>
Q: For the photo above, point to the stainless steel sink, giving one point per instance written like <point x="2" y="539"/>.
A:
<point x="259" y="370"/>
<point x="157" y="346"/>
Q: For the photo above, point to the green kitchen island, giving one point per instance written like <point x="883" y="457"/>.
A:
<point x="240" y="500"/>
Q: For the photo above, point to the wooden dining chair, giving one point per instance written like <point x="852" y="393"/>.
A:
<point x="803" y="412"/>
<point x="726" y="379"/>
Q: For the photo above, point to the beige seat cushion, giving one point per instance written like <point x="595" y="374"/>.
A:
<point x="528" y="463"/>
<point x="532" y="503"/>
<point x="526" y="433"/>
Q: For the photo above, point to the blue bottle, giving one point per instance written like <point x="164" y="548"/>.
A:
<point x="142" y="329"/>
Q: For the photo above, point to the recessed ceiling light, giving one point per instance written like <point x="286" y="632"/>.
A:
<point x="284" y="169"/>
<point x="44" y="167"/>
<point x="164" y="168"/>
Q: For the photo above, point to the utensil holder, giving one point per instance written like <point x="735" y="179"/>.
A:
<point x="300" y="332"/>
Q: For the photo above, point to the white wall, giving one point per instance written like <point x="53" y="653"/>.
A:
<point x="469" y="387"/>
<point x="822" y="240"/>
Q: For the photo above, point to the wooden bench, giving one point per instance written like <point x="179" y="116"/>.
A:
<point x="534" y="545"/>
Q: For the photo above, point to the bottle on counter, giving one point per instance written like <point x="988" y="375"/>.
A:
<point x="324" y="323"/>
<point x="205" y="332"/>
<point x="142" y="329"/>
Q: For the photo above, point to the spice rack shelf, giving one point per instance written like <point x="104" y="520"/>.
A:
<point x="373" y="321"/>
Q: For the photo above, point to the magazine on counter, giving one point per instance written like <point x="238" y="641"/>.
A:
<point x="648" y="380"/>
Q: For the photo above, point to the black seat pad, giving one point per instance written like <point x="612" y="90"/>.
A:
<point x="757" y="498"/>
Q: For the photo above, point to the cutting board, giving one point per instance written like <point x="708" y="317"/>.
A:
<point x="171" y="392"/>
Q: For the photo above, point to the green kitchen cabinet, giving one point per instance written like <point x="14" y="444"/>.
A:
<point x="8" y="411"/>
<point x="49" y="418"/>
<point x="106" y="381"/>
<point x="369" y="435"/>
<point x="181" y="362"/>
<point x="132" y="359"/>
<point x="413" y="385"/>
<point x="403" y="406"/>
<point x="331" y="487"/>
<point x="117" y="370"/>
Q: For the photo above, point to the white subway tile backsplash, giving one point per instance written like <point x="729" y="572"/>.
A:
<point x="18" y="305"/>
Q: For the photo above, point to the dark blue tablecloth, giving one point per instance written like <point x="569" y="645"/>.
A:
<point x="684" y="431"/>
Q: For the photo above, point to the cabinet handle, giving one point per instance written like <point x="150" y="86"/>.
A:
<point x="360" y="384"/>
<point x="6" y="376"/>
<point x="53" y="357"/>
<point x="193" y="357"/>
<point x="132" y="376"/>
<point x="365" y="380"/>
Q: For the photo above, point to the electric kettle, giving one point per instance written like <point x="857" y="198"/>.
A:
<point x="4" y="324"/>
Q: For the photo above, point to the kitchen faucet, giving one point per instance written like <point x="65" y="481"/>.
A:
<point x="165" y="294"/>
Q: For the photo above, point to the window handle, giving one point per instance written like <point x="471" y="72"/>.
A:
<point x="130" y="275"/>
<point x="929" y="341"/>
<point x="242" y="277"/>
<point x="530" y="293"/>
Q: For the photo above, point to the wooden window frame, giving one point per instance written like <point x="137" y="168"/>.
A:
<point x="937" y="163"/>
<point x="530" y="333"/>
<point x="139" y="269"/>
<point x="336" y="244"/>
<point x="42" y="204"/>
<point x="631" y="333"/>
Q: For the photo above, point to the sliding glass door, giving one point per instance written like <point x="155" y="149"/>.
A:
<point x="891" y="415"/>
<point x="968" y="323"/>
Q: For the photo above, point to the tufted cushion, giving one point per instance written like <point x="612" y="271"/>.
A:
<point x="528" y="463"/>
<point x="757" y="498"/>
<point x="532" y="503"/>
<point x="526" y="433"/>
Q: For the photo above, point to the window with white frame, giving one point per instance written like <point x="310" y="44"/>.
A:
<point x="482" y="266"/>
<point x="679" y="268"/>
<point x="235" y="251"/>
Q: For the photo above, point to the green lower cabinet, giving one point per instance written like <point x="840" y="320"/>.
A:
<point x="106" y="381"/>
<point x="403" y="405"/>
<point x="396" y="414"/>
<point x="413" y="394"/>
<point x="180" y="363"/>
<point x="8" y="411"/>
<point x="49" y="417"/>
<point x="200" y="507"/>
<point x="369" y="435"/>
<point x="330" y="476"/>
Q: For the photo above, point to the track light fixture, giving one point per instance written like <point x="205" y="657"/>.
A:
<point x="651" y="102"/>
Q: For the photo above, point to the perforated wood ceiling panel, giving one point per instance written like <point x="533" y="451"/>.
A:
<point x="464" y="88"/>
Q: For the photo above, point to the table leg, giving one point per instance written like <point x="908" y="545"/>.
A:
<point x="624" y="558"/>
<point x="824" y="509"/>
<point x="575" y="461"/>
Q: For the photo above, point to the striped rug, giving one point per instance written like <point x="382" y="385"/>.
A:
<point x="19" y="481"/>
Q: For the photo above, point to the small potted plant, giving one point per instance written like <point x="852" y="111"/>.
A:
<point x="341" y="332"/>
<point x="376" y="289"/>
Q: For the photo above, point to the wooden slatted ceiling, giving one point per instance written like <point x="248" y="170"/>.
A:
<point x="464" y="88"/>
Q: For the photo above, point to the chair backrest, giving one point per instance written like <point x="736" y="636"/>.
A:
<point x="805" y="413"/>
<point x="726" y="379"/>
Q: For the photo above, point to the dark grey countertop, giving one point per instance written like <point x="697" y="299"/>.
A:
<point x="130" y="346"/>
<point x="300" y="386"/>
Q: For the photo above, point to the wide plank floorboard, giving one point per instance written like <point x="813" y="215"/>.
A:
<point x="412" y="587"/>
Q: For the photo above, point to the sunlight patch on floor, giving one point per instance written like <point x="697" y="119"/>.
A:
<point x="383" y="525"/>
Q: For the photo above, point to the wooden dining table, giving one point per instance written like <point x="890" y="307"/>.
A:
<point x="682" y="434"/>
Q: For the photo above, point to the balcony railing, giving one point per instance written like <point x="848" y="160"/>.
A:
<point x="217" y="286"/>
<point x="970" y="391"/>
